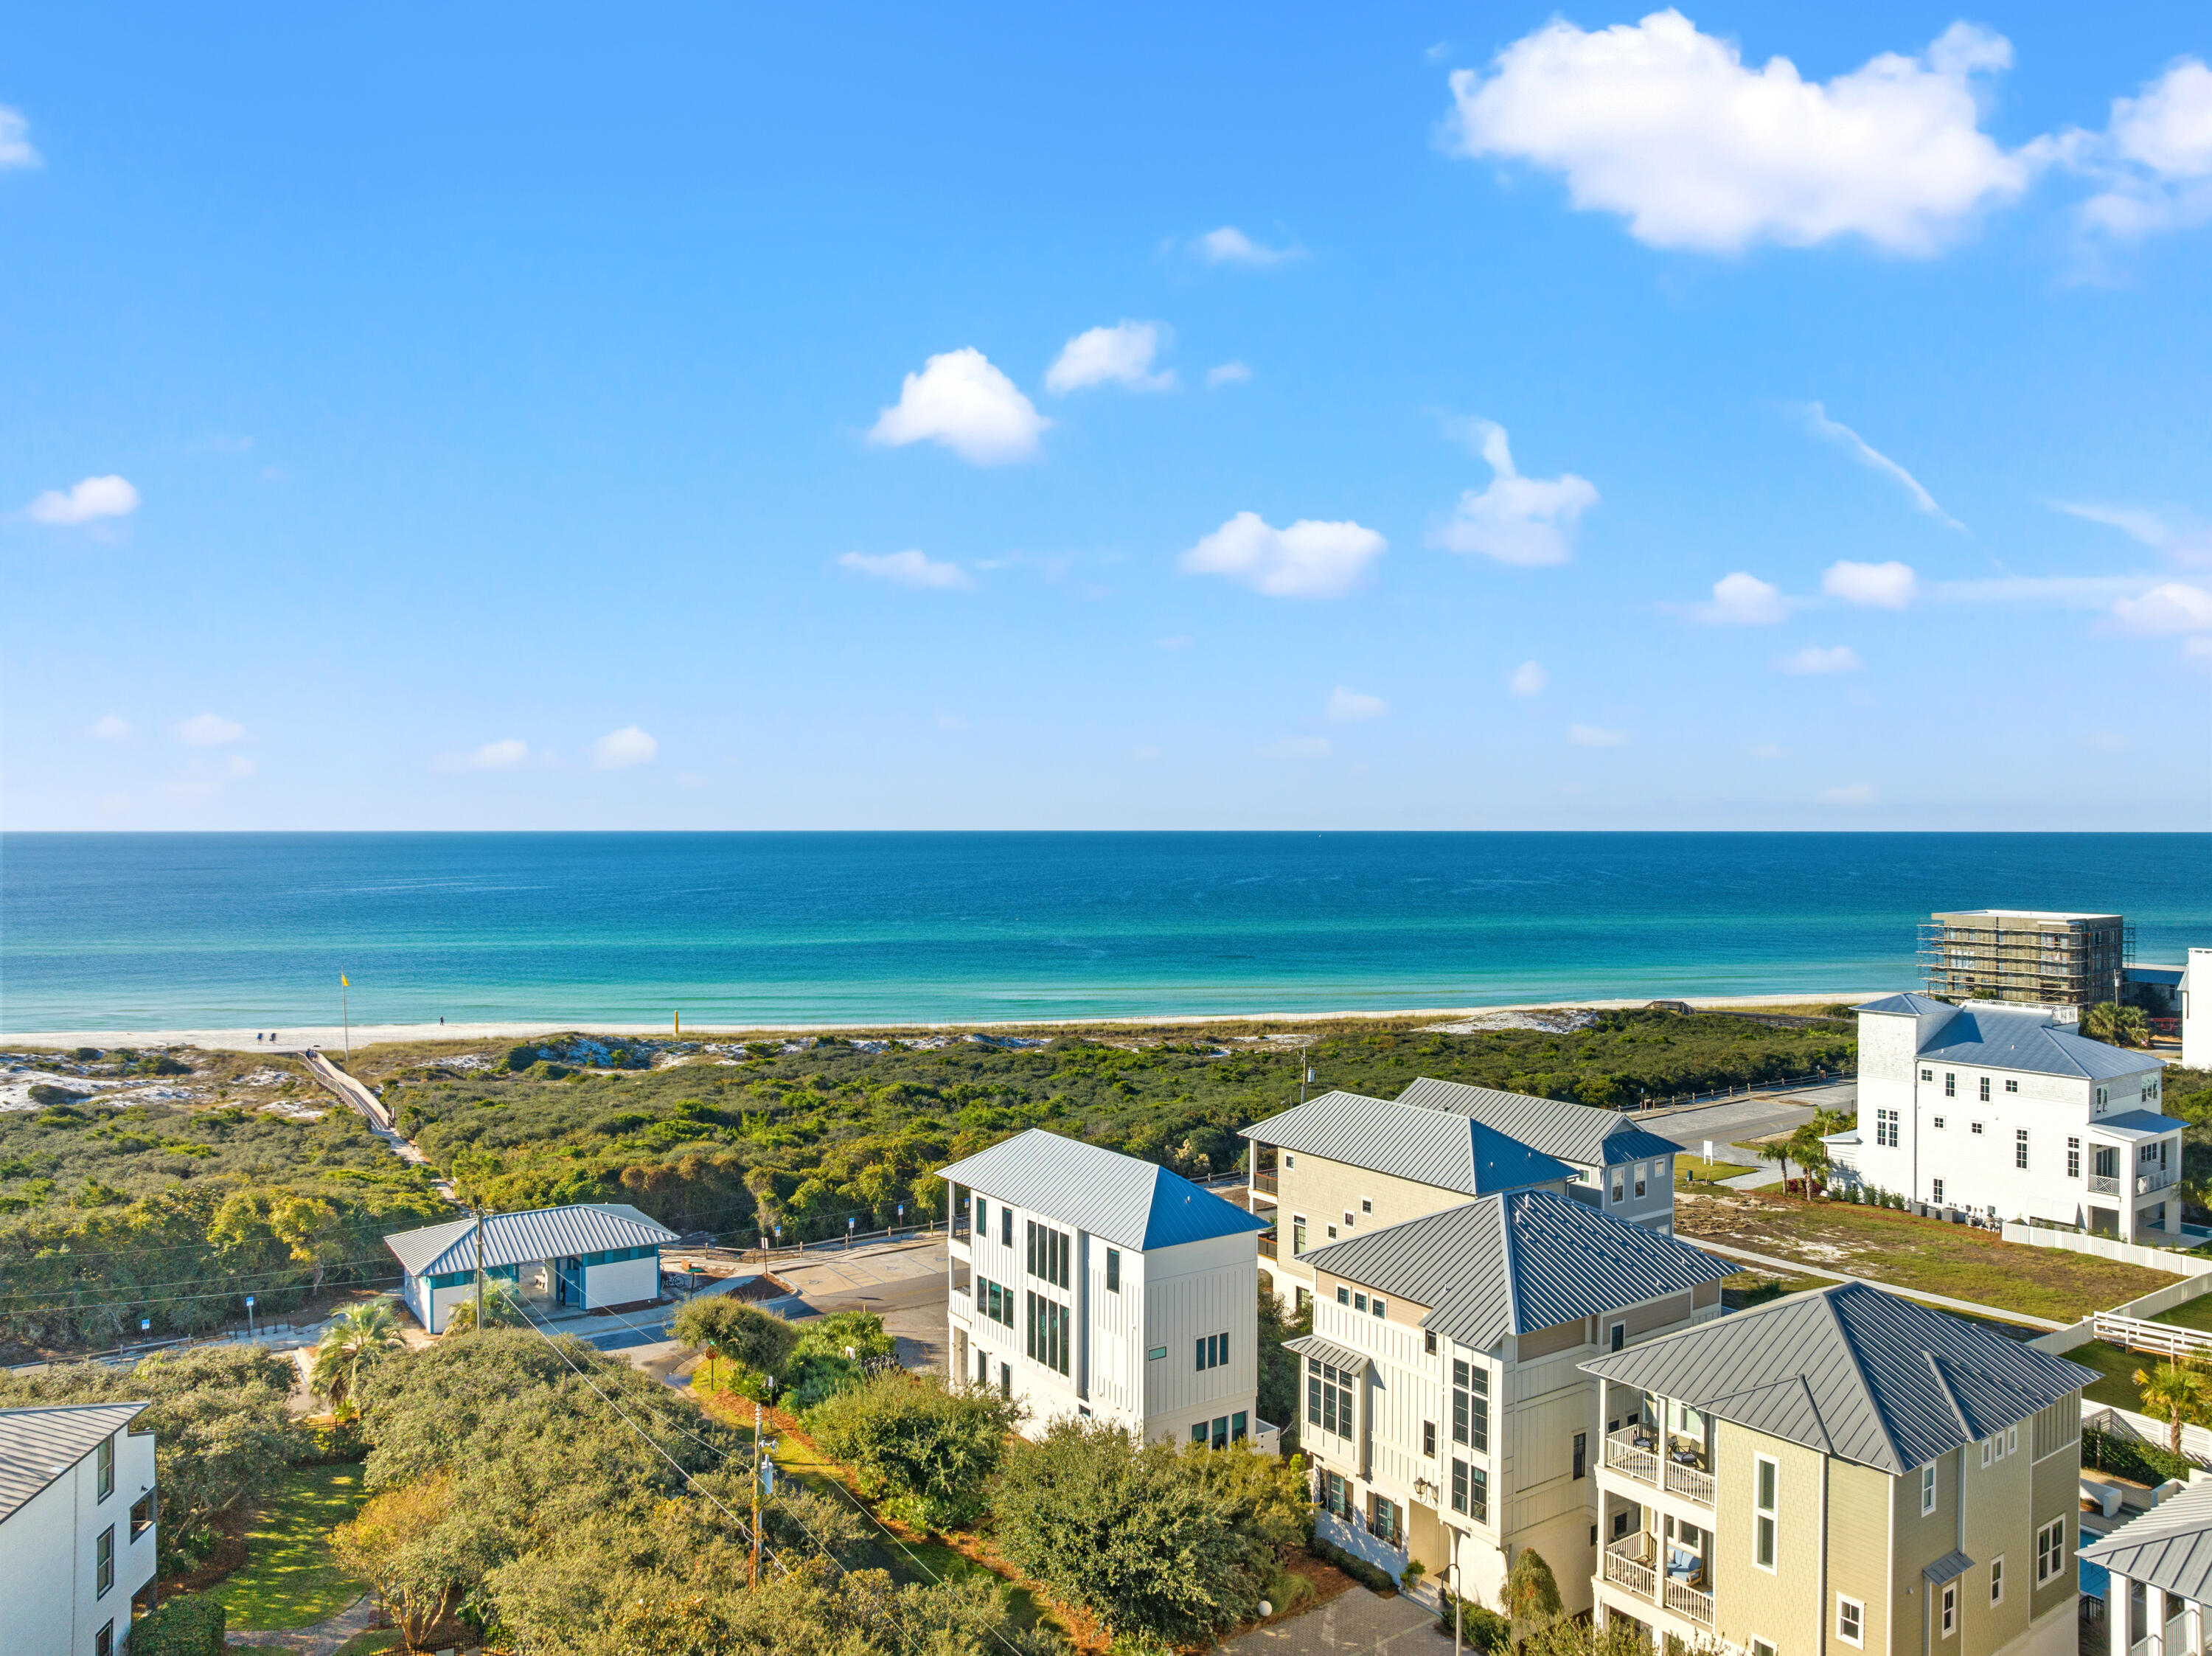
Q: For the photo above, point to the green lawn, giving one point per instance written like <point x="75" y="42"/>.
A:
<point x="1695" y="1169"/>
<point x="2116" y="1390"/>
<point x="289" y="1579"/>
<point x="2190" y="1314"/>
<point x="372" y="1643"/>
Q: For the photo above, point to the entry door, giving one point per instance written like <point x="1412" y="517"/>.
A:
<point x="571" y="1289"/>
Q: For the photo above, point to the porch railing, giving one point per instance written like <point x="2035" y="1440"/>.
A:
<point x="2104" y="1184"/>
<point x="1628" y="1565"/>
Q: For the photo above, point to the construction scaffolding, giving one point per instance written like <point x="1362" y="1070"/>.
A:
<point x="2025" y="956"/>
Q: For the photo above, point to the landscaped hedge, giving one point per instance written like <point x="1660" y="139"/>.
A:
<point x="1484" y="1630"/>
<point x="190" y="1624"/>
<point x="2127" y="1457"/>
<point x="1358" y="1569"/>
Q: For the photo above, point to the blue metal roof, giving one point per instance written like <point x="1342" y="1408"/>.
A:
<point x="1134" y="1204"/>
<point x="2029" y="1041"/>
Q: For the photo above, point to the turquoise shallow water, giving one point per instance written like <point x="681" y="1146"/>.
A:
<point x="156" y="931"/>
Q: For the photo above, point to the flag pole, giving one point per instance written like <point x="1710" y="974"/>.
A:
<point x="345" y="1011"/>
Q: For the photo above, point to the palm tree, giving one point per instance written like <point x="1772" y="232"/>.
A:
<point x="2176" y="1389"/>
<point x="352" y="1338"/>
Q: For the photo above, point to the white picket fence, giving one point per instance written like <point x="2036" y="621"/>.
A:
<point x="2196" y="1440"/>
<point x="2168" y="1339"/>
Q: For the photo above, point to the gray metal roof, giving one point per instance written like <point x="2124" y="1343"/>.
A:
<point x="1949" y="1567"/>
<point x="1514" y="1262"/>
<point x="1854" y="1372"/>
<point x="1406" y="1141"/>
<point x="1907" y="1004"/>
<point x="514" y="1239"/>
<point x="2170" y="1546"/>
<point x="1580" y="1133"/>
<point x="1135" y="1203"/>
<point x="2030" y="1041"/>
<point x="2136" y="1124"/>
<point x="38" y="1445"/>
<point x="1341" y="1356"/>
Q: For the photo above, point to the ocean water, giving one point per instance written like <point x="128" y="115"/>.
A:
<point x="165" y="931"/>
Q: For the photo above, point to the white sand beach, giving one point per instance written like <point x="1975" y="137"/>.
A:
<point x="332" y="1037"/>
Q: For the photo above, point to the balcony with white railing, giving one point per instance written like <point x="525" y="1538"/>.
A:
<point x="2156" y="1179"/>
<point x="2104" y="1184"/>
<point x="1632" y="1563"/>
<point x="1678" y="1465"/>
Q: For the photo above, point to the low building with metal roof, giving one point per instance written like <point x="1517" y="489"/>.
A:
<point x="1445" y="1417"/>
<point x="77" y="1537"/>
<point x="1841" y="1465"/>
<point x="2006" y="1112"/>
<point x="585" y="1256"/>
<point x="1094" y="1285"/>
<point x="2156" y="1571"/>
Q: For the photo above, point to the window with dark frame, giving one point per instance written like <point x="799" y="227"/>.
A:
<point x="1113" y="1271"/>
<point x="1429" y="1439"/>
<point x="103" y="1562"/>
<point x="103" y="1469"/>
<point x="1471" y="1404"/>
<point x="1582" y="1454"/>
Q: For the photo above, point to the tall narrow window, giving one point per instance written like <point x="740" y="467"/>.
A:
<point x="103" y="1465"/>
<point x="1582" y="1454"/>
<point x="1928" y="1489"/>
<point x="1950" y="1084"/>
<point x="1298" y="1236"/>
<point x="1986" y="1089"/>
<point x="1996" y="1580"/>
<point x="1429" y="1439"/>
<point x="1471" y="1406"/>
<point x="2072" y="1158"/>
<point x="2019" y="1147"/>
<point x="103" y="1562"/>
<point x="1950" y="1608"/>
<point x="1766" y="1477"/>
<point x="1005" y="1226"/>
<point x="1459" y="1485"/>
<point x="2049" y="1551"/>
<point x="1113" y="1271"/>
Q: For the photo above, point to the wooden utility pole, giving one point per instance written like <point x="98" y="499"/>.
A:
<point x="756" y="1483"/>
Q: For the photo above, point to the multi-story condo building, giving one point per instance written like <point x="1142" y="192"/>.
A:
<point x="2196" y="995"/>
<point x="1343" y="1163"/>
<point x="1445" y="1416"/>
<point x="1089" y="1283"/>
<point x="76" y="1527"/>
<point x="2011" y="1113"/>
<point x="1842" y="1471"/>
<point x="2026" y="955"/>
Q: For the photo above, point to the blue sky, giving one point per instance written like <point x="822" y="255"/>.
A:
<point x="1450" y="417"/>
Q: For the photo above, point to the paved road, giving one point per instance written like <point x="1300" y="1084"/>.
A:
<point x="1357" y="1620"/>
<point x="1753" y="1117"/>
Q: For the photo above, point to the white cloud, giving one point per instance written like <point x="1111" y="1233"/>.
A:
<point x="1770" y="750"/>
<point x="1522" y="520"/>
<point x="1529" y="678"/>
<point x="619" y="750"/>
<point x="2199" y="648"/>
<point x="1816" y="419"/>
<point x="208" y="730"/>
<point x="1814" y="659"/>
<point x="15" y="149"/>
<point x="1744" y="600"/>
<point x="503" y="756"/>
<point x="1877" y="585"/>
<point x="1348" y="706"/>
<point x="1850" y="793"/>
<point x="1296" y="747"/>
<point x="1231" y="246"/>
<point x="961" y="401"/>
<point x="90" y="499"/>
<point x="2175" y="607"/>
<point x="2141" y="524"/>
<point x="1308" y="559"/>
<point x="1119" y="355"/>
<point x="2154" y="158"/>
<point x="237" y="767"/>
<point x="1670" y="128"/>
<point x="1590" y="735"/>
<point x="1227" y="373"/>
<point x="907" y="568"/>
<point x="110" y="727"/>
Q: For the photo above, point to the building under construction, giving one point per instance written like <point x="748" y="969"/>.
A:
<point x="2022" y="954"/>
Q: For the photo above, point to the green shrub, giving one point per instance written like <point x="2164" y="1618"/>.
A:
<point x="1483" y="1628"/>
<point x="919" y="1444"/>
<point x="1374" y="1580"/>
<point x="190" y="1624"/>
<point x="2128" y="1457"/>
<point x="742" y="1333"/>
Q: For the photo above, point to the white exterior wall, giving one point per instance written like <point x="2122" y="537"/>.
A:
<point x="1170" y="1298"/>
<point x="2197" y="1010"/>
<point x="1955" y="1165"/>
<point x="48" y="1601"/>
<point x="624" y="1282"/>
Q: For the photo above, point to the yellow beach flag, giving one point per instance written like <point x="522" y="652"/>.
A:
<point x="342" y="984"/>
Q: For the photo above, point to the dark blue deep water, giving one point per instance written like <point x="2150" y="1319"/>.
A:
<point x="153" y="931"/>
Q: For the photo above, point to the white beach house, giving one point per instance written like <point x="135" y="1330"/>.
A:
<point x="2011" y="1113"/>
<point x="1092" y="1284"/>
<point x="589" y="1256"/>
<point x="77" y="1509"/>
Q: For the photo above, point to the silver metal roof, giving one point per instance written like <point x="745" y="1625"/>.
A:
<point x="1580" y="1133"/>
<point x="1910" y="1004"/>
<point x="1441" y="1148"/>
<point x="2030" y="1041"/>
<point x="38" y="1445"/>
<point x="2136" y="1124"/>
<point x="1949" y="1567"/>
<point x="2170" y="1546"/>
<point x="1517" y="1262"/>
<point x="1854" y="1372"/>
<point x="514" y="1239"/>
<point x="1341" y="1356"/>
<point x="1135" y="1203"/>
